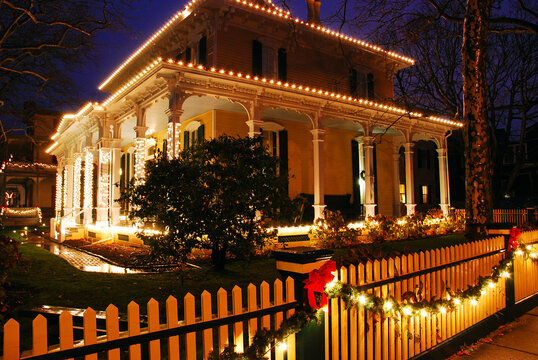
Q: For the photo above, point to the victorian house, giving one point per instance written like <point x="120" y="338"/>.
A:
<point x="321" y="100"/>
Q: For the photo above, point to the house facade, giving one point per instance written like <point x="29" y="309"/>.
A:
<point x="321" y="100"/>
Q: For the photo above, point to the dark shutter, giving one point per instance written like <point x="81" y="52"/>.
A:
<point x="188" y="55"/>
<point x="353" y="82"/>
<point x="283" y="154"/>
<point x="428" y="164"/>
<point x="370" y="83"/>
<point x="375" y="178"/>
<point x="165" y="147"/>
<point x="282" y="65"/>
<point x="419" y="158"/>
<point x="202" y="51"/>
<point x="257" y="66"/>
<point x="200" y="133"/>
<point x="356" y="174"/>
<point x="123" y="171"/>
<point x="186" y="139"/>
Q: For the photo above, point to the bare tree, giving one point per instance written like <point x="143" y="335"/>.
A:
<point x="44" y="42"/>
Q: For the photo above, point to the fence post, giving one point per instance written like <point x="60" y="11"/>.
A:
<point x="297" y="263"/>
<point x="509" y="287"/>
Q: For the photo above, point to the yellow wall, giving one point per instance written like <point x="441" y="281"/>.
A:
<point x="337" y="161"/>
<point x="231" y="123"/>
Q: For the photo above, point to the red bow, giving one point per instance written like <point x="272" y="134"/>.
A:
<point x="514" y="235"/>
<point x="317" y="279"/>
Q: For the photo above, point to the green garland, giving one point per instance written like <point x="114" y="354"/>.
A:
<point x="412" y="305"/>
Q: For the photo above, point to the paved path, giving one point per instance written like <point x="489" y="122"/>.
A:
<point x="78" y="259"/>
<point x="519" y="341"/>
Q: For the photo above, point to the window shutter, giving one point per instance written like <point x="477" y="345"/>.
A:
<point x="165" y="147"/>
<point x="419" y="158"/>
<point x="202" y="51"/>
<point x="282" y="65"/>
<point x="353" y="82"/>
<point x="283" y="154"/>
<point x="186" y="139"/>
<point x="188" y="55"/>
<point x="257" y="64"/>
<point x="356" y="174"/>
<point x="361" y="85"/>
<point x="370" y="82"/>
<point x="200" y="133"/>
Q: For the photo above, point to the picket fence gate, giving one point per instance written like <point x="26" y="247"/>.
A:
<point x="347" y="334"/>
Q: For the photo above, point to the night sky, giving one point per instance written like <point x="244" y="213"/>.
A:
<point x="145" y="18"/>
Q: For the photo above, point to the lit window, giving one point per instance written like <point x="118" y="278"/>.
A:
<point x="402" y="193"/>
<point x="425" y="194"/>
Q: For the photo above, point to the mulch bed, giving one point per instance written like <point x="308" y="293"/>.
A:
<point x="117" y="253"/>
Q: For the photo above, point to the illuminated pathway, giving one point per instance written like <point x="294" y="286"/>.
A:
<point x="78" y="259"/>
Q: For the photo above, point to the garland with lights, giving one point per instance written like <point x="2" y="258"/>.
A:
<point x="321" y="285"/>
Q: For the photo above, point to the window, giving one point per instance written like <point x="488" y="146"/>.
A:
<point x="425" y="194"/>
<point x="202" y="51"/>
<point x="282" y="65"/>
<point x="193" y="134"/>
<point x="270" y="141"/>
<point x="361" y="85"/>
<point x="269" y="62"/>
<point x="402" y="193"/>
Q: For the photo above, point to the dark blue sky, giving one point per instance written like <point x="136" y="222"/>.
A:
<point x="145" y="17"/>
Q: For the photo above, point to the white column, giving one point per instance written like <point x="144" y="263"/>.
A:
<point x="443" y="180"/>
<point x="115" y="170"/>
<point x="396" y="170"/>
<point x="319" y="194"/>
<point x="103" y="186"/>
<point x="174" y="133"/>
<point x="88" y="185"/>
<point x="140" y="154"/>
<point x="369" y="178"/>
<point x="59" y="193"/>
<point x="68" y="190"/>
<point x="409" y="179"/>
<point x="77" y="189"/>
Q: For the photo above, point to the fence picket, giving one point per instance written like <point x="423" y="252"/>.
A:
<point x="344" y="344"/>
<point x="369" y="317"/>
<point x="133" y="324"/>
<point x="207" y="314"/>
<point x="66" y="330"/>
<point x="90" y="331"/>
<point x="154" y="325"/>
<point x="112" y="330"/>
<point x="172" y="321"/>
<point x="222" y="309"/>
<point x="361" y="330"/>
<point x="290" y="297"/>
<point x="252" y="306"/>
<point x="278" y="300"/>
<point x="39" y="335"/>
<point x="352" y="273"/>
<point x="11" y="340"/>
<point x="189" y="318"/>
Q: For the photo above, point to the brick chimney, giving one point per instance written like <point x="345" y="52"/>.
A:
<point x="313" y="7"/>
<point x="317" y="5"/>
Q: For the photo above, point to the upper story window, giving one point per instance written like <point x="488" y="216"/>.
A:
<point x="362" y="84"/>
<point x="269" y="62"/>
<point x="195" y="52"/>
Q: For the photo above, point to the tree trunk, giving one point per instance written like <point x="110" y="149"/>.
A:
<point x="478" y="172"/>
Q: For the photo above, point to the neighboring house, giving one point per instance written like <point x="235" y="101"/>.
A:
<point x="246" y="68"/>
<point x="28" y="173"/>
<point x="524" y="192"/>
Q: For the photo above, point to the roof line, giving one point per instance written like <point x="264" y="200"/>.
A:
<point x="275" y="11"/>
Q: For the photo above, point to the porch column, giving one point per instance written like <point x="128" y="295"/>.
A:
<point x="409" y="179"/>
<point x="115" y="170"/>
<point x="319" y="194"/>
<point x="396" y="170"/>
<point x="68" y="189"/>
<point x="174" y="133"/>
<point x="88" y="185"/>
<point x="443" y="180"/>
<point x="59" y="193"/>
<point x="77" y="189"/>
<point x="103" y="185"/>
<point x="369" y="178"/>
<point x="140" y="154"/>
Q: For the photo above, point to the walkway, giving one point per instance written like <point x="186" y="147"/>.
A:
<point x="77" y="259"/>
<point x="516" y="341"/>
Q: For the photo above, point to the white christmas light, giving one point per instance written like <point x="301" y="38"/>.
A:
<point x="59" y="193"/>
<point x="77" y="169"/>
<point x="88" y="179"/>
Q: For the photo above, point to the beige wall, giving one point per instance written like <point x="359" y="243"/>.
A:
<point x="385" y="177"/>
